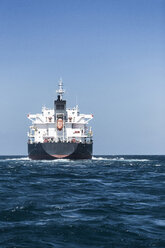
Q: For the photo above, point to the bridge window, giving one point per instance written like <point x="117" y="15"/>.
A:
<point x="59" y="106"/>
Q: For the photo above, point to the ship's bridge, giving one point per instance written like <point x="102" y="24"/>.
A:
<point x="60" y="123"/>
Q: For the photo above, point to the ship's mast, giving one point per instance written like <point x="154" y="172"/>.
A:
<point x="60" y="90"/>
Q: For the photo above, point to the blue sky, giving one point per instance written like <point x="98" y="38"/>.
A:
<point x="111" y="56"/>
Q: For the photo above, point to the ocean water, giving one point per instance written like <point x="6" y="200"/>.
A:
<point x="109" y="201"/>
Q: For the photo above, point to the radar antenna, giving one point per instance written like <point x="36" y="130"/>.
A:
<point x="60" y="90"/>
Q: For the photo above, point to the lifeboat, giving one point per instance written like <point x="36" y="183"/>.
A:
<point x="59" y="124"/>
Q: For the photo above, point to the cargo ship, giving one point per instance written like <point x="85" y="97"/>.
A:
<point x="60" y="133"/>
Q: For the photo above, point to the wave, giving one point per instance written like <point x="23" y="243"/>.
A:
<point x="120" y="159"/>
<point x="60" y="160"/>
<point x="108" y="159"/>
<point x="99" y="158"/>
<point x="137" y="160"/>
<point x="66" y="161"/>
<point x="18" y="159"/>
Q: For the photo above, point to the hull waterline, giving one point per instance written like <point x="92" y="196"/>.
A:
<point x="51" y="151"/>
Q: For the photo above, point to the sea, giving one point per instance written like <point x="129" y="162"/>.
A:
<point x="105" y="202"/>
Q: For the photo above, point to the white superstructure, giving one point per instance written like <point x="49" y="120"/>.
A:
<point x="60" y="124"/>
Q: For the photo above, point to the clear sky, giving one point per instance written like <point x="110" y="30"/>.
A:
<point x="111" y="56"/>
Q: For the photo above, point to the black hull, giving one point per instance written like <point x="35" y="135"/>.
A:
<point x="50" y="151"/>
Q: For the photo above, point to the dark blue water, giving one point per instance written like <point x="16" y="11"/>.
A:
<point x="105" y="202"/>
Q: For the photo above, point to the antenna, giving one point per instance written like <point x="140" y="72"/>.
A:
<point x="60" y="90"/>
